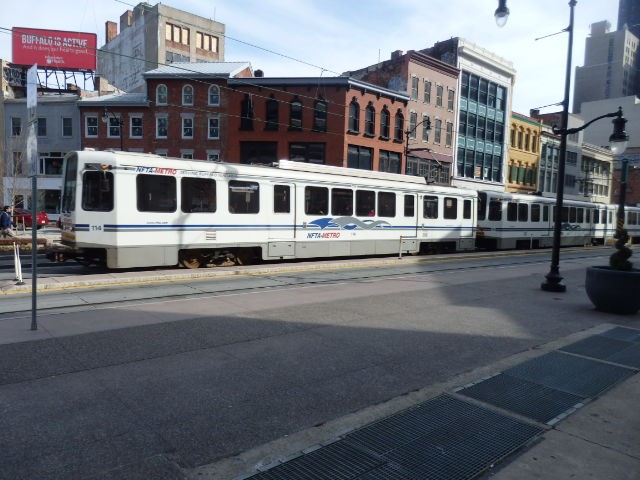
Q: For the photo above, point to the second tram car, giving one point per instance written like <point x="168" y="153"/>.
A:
<point x="125" y="210"/>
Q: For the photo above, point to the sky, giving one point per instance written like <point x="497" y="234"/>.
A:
<point x="327" y="37"/>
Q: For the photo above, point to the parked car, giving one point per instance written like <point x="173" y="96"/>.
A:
<point x="24" y="217"/>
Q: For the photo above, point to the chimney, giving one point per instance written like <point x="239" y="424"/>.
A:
<point x="126" y="19"/>
<point x="110" y="31"/>
<point x="396" y="54"/>
<point x="258" y="74"/>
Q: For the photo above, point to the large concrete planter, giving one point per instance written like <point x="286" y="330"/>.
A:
<point x="614" y="291"/>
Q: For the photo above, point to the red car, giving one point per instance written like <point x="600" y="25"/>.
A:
<point x="21" y="216"/>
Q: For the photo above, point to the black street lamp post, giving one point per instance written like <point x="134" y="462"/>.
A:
<point x="407" y="132"/>
<point x="109" y="117"/>
<point x="617" y="142"/>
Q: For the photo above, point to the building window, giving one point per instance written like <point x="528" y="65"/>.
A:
<point x="389" y="162"/>
<point x="187" y="127"/>
<point x="161" y="94"/>
<point x="90" y="127"/>
<point x="311" y="152"/>
<point x="18" y="164"/>
<point x="320" y="116"/>
<point x="113" y="127"/>
<point x="449" y="135"/>
<point x="42" y="127"/>
<point x="398" y="127"/>
<point x="207" y="42"/>
<point x="67" y="126"/>
<point x="171" y="57"/>
<point x="359" y="157"/>
<point x="413" y="121"/>
<point x="354" y="116"/>
<point x="385" y="123"/>
<point x="214" y="95"/>
<point x="295" y="115"/>
<point x="213" y="128"/>
<point x="246" y="113"/>
<point x="414" y="88"/>
<point x="427" y="91"/>
<point x="187" y="95"/>
<point x="439" y="92"/>
<point x="273" y="114"/>
<point x="213" y="155"/>
<point x="162" y="127"/>
<point x="438" y="131"/>
<point x="450" y="99"/>
<point x="135" y="127"/>
<point x="177" y="34"/>
<point x="186" y="154"/>
<point x="370" y="121"/>
<point x="16" y="126"/>
<point x="426" y="128"/>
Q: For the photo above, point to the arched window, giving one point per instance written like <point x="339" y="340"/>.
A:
<point x="161" y="94"/>
<point x="295" y="115"/>
<point x="187" y="95"/>
<point x="370" y="120"/>
<point x="354" y="116"/>
<point x="385" y="122"/>
<point x="214" y="95"/>
<point x="320" y="116"/>
<point x="399" y="125"/>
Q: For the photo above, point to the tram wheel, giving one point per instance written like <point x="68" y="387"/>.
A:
<point x="190" y="260"/>
<point x="244" y="256"/>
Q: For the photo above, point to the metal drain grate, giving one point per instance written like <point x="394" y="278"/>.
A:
<point x="523" y="397"/>
<point x="606" y="348"/>
<point x="570" y="374"/>
<point x="444" y="438"/>
<point x="621" y="333"/>
<point x="337" y="461"/>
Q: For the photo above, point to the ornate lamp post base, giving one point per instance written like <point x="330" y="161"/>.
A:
<point x="553" y="283"/>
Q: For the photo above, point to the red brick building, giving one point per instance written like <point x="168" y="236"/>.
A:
<point x="219" y="111"/>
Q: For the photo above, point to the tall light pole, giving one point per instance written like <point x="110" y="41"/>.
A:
<point x="617" y="141"/>
<point x="407" y="132"/>
<point x="108" y="117"/>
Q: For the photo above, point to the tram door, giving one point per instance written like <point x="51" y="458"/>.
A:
<point x="282" y="231"/>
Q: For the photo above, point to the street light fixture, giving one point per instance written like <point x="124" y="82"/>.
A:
<point x="617" y="143"/>
<point x="115" y="119"/>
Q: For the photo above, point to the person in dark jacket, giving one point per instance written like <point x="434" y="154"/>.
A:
<point x="6" y="225"/>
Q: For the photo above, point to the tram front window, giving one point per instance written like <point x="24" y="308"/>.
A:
<point x="97" y="191"/>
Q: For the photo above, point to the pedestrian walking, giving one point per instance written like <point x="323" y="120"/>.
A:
<point x="6" y="225"/>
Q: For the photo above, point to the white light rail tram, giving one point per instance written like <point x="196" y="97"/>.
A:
<point x="126" y="210"/>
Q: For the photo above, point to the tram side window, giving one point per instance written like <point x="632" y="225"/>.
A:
<point x="482" y="205"/>
<point x="565" y="214"/>
<point x="365" y="203"/>
<point x="244" y="197"/>
<point x="523" y="212"/>
<point x="281" y="199"/>
<point x="512" y="212"/>
<point x="572" y="214"/>
<point x="596" y="216"/>
<point x="156" y="193"/>
<point x="580" y="215"/>
<point x="535" y="212"/>
<point x="341" y="201"/>
<point x="545" y="213"/>
<point x="466" y="209"/>
<point x="316" y="200"/>
<point x="430" y="207"/>
<point x="610" y="216"/>
<point x="409" y="205"/>
<point x="450" y="210"/>
<point x="198" y="195"/>
<point x="97" y="191"/>
<point x="495" y="210"/>
<point x="386" y="204"/>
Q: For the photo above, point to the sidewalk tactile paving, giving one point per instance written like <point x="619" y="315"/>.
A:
<point x="520" y="396"/>
<point x="571" y="374"/>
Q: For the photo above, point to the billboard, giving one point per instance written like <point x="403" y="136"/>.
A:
<point x="54" y="48"/>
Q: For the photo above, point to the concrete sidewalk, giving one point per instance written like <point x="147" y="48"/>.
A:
<point x="598" y="440"/>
